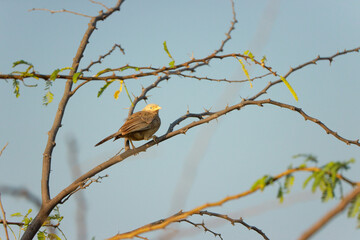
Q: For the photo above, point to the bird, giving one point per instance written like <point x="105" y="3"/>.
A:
<point x="141" y="125"/>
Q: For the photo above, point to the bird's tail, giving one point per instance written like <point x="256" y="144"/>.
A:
<point x="107" y="139"/>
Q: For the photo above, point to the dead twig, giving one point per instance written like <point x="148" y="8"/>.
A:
<point x="59" y="11"/>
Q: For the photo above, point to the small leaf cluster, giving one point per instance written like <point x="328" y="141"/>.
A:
<point x="42" y="234"/>
<point x="29" y="72"/>
<point x="327" y="178"/>
<point x="49" y="96"/>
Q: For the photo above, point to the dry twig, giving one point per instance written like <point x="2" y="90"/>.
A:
<point x="59" y="11"/>
<point x="4" y="222"/>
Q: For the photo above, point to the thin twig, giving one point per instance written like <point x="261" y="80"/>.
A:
<point x="59" y="11"/>
<point x="20" y="224"/>
<point x="223" y="79"/>
<point x="233" y="221"/>
<point x="3" y="148"/>
<point x="206" y="229"/>
<point x="4" y="219"/>
<point x="101" y="57"/>
<point x="330" y="215"/>
<point x="101" y="4"/>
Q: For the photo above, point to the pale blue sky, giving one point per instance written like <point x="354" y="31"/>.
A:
<point x="242" y="146"/>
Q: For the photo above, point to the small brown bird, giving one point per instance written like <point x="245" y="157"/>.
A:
<point x="139" y="126"/>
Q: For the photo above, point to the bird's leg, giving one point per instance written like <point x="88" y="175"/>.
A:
<point x="127" y="147"/>
<point x="155" y="138"/>
<point x="132" y="144"/>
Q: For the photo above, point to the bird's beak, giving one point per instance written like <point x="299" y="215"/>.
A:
<point x="158" y="108"/>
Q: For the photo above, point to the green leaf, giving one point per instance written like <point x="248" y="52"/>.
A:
<point x="249" y="54"/>
<point x="308" y="157"/>
<point x="263" y="60"/>
<point x="289" y="182"/>
<point x="76" y="76"/>
<point x="54" y="74"/>
<point x="280" y="195"/>
<point x="308" y="180"/>
<point x="21" y="62"/>
<point x="103" y="71"/>
<point x="104" y="87"/>
<point x="16" y="87"/>
<point x="354" y="207"/>
<point x="65" y="68"/>
<point x="172" y="63"/>
<point x="262" y="182"/>
<point x="130" y="67"/>
<point x="318" y="178"/>
<point x="48" y="98"/>
<point x="41" y="236"/>
<point x="16" y="215"/>
<point x="53" y="236"/>
<point x="289" y="87"/>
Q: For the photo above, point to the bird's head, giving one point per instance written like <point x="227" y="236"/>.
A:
<point x="152" y="108"/>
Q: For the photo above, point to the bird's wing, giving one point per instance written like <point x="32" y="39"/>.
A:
<point x="139" y="121"/>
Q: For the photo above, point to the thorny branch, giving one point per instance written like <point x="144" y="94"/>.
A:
<point x="101" y="57"/>
<point x="233" y="221"/>
<point x="202" y="225"/>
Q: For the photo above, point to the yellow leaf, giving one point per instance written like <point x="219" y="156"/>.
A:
<point x="121" y="85"/>
<point x="289" y="87"/>
<point x="116" y="94"/>
<point x="245" y="71"/>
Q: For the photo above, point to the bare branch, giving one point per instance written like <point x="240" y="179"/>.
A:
<point x="330" y="215"/>
<point x="101" y="4"/>
<point x="4" y="219"/>
<point x="222" y="80"/>
<point x="59" y="11"/>
<point x="317" y="121"/>
<point x="233" y="221"/>
<point x="228" y="34"/>
<point x="101" y="57"/>
<point x="202" y="225"/>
